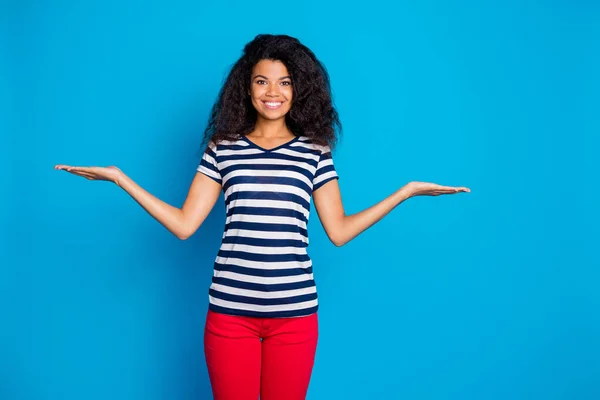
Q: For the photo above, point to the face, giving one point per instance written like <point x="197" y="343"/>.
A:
<point x="271" y="89"/>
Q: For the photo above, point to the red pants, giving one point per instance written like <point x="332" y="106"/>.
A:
<point x="241" y="365"/>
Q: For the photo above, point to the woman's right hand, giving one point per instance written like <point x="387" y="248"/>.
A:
<point x="112" y="173"/>
<point x="182" y="222"/>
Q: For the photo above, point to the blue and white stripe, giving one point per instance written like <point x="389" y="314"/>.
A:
<point x="263" y="268"/>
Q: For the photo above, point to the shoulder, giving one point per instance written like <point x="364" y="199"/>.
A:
<point x="310" y="144"/>
<point x="220" y="145"/>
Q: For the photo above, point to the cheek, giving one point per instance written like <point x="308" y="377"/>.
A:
<point x="255" y="97"/>
<point x="255" y="92"/>
<point x="288" y="93"/>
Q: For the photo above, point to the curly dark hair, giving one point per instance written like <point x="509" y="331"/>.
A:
<point x="312" y="113"/>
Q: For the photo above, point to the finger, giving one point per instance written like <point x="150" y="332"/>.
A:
<point x="85" y="170"/>
<point x="79" y="173"/>
<point x="451" y="189"/>
<point x="439" y="192"/>
<point x="69" y="168"/>
<point x="79" y="169"/>
<point x="84" y="174"/>
<point x="447" y="189"/>
<point x="461" y="189"/>
<point x="455" y="190"/>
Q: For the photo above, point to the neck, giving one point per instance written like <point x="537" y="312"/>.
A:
<point x="271" y="128"/>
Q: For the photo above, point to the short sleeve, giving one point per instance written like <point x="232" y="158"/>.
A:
<point x="208" y="165"/>
<point x="325" y="169"/>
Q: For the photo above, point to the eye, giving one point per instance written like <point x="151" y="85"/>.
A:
<point x="260" y="81"/>
<point x="286" y="83"/>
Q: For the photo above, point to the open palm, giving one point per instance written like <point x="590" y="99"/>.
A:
<point x="111" y="173"/>
<point x="433" y="189"/>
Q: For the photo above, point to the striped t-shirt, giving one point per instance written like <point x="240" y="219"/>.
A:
<point x="262" y="268"/>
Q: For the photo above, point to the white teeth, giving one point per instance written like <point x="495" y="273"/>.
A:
<point x="272" y="104"/>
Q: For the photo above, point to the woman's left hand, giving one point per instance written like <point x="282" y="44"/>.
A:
<point x="432" y="189"/>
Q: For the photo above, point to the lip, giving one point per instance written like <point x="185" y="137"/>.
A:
<point x="271" y="107"/>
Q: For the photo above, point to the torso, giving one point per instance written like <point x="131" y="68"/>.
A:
<point x="263" y="268"/>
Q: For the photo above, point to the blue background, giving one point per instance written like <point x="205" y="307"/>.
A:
<point x="487" y="295"/>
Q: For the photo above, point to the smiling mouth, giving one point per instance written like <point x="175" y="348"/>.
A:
<point x="272" y="105"/>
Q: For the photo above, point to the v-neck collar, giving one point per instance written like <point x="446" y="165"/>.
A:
<point x="251" y="143"/>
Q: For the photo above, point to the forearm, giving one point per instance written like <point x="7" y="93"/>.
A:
<point x="170" y="217"/>
<point x="352" y="225"/>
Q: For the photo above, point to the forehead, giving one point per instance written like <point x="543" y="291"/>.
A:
<point x="272" y="69"/>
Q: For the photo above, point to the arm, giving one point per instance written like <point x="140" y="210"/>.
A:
<point x="182" y="222"/>
<point x="342" y="228"/>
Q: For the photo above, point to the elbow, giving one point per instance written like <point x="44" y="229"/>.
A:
<point x="338" y="236"/>
<point x="186" y="229"/>
<point x="183" y="234"/>
<point x="338" y="241"/>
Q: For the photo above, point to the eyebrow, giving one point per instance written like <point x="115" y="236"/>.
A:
<point x="264" y="77"/>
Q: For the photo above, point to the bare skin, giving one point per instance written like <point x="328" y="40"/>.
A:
<point x="269" y="85"/>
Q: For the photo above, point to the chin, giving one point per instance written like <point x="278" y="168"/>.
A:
<point x="273" y="116"/>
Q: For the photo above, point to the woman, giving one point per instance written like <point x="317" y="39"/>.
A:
<point x="268" y="148"/>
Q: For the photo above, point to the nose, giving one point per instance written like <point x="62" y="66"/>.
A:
<point x="273" y="90"/>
